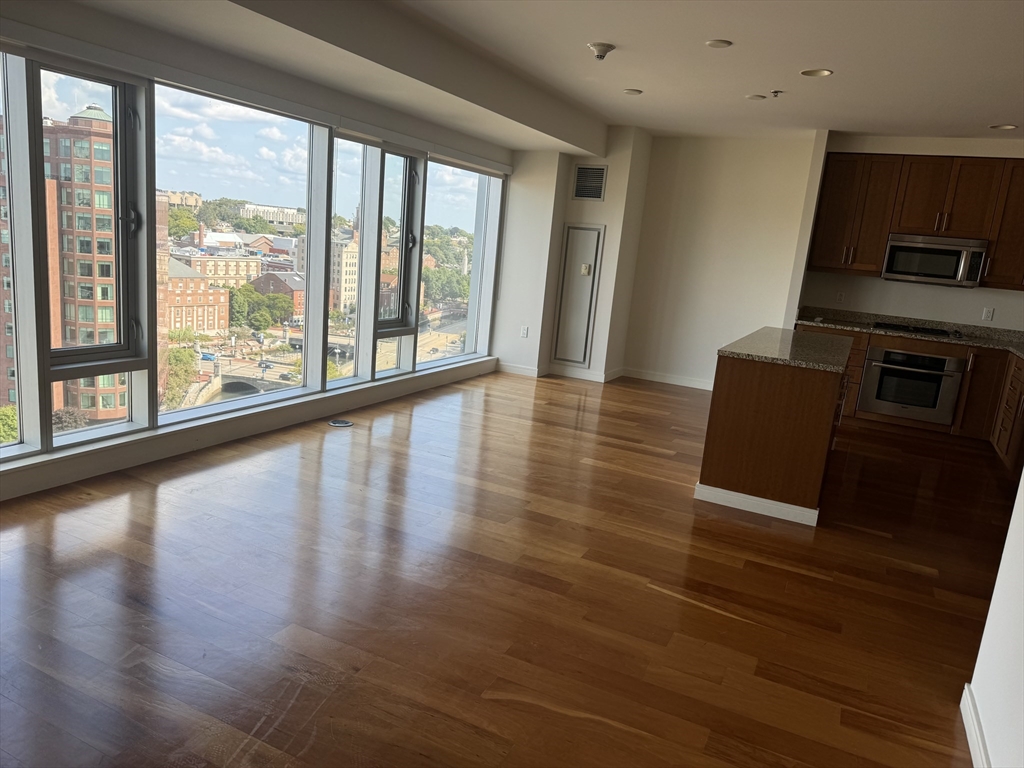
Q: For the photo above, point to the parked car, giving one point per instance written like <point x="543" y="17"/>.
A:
<point x="209" y="356"/>
<point x="265" y="365"/>
<point x="288" y="376"/>
<point x="434" y="350"/>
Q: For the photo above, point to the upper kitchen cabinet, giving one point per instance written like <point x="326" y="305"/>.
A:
<point x="854" y="210"/>
<point x="972" y="197"/>
<point x="921" y="199"/>
<point x="1005" y="265"/>
<point x="946" y="196"/>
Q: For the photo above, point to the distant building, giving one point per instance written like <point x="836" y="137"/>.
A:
<point x="277" y="265"/>
<point x="227" y="267"/>
<point x="189" y="200"/>
<point x="192" y="302"/>
<point x="290" y="284"/>
<point x="257" y="245"/>
<point x="388" y="296"/>
<point x="282" y="218"/>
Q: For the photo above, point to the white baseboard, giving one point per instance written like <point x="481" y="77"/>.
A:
<point x="975" y="734"/>
<point x="756" y="504"/>
<point x="576" y="372"/>
<point x="668" y="378"/>
<point x="518" y="370"/>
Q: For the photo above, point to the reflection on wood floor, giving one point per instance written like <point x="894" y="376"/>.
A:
<point x="501" y="572"/>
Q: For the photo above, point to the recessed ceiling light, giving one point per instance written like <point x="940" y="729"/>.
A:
<point x="816" y="72"/>
<point x="632" y="91"/>
<point x="756" y="97"/>
<point x="1003" y="127"/>
<point x="718" y="43"/>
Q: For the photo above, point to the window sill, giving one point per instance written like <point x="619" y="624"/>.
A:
<point x="26" y="474"/>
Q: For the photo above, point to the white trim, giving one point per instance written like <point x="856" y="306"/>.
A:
<point x="975" y="734"/>
<point x="614" y="374"/>
<point x="667" y="378"/>
<point x="756" y="504"/>
<point x="575" y="372"/>
<point x="518" y="370"/>
<point x="36" y="473"/>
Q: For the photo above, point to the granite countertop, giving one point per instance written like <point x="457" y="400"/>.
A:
<point x="1005" y="341"/>
<point x="785" y="347"/>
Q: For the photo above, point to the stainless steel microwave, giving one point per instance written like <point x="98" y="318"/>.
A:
<point x="937" y="260"/>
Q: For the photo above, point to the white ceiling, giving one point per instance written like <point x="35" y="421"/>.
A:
<point x="902" y="67"/>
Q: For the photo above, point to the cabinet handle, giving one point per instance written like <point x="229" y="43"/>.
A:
<point x="938" y="217"/>
<point x="970" y="361"/>
<point x="945" y="221"/>
<point x="845" y="249"/>
<point x="1020" y="411"/>
<point x="853" y="250"/>
<point x="988" y="263"/>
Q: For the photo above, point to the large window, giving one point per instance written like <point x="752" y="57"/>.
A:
<point x="81" y="109"/>
<point x="227" y="326"/>
<point x="343" y="269"/>
<point x="290" y="260"/>
<point x="457" y="217"/>
<point x="10" y="416"/>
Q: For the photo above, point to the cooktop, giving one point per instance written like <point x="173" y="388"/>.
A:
<point x="911" y="329"/>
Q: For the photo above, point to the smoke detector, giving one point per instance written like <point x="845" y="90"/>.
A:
<point x="601" y="49"/>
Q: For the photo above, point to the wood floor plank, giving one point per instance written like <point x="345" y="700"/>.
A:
<point x="501" y="572"/>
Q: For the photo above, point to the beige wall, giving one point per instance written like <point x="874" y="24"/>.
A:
<point x="926" y="302"/>
<point x="719" y="238"/>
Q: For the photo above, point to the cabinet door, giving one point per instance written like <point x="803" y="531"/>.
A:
<point x="921" y="200"/>
<point x="1005" y="265"/>
<point x="981" y="393"/>
<point x="972" y="197"/>
<point x="837" y="209"/>
<point x="881" y="181"/>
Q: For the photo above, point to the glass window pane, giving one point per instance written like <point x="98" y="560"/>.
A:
<point x="453" y="197"/>
<point x="81" y="115"/>
<point x="344" y="266"/>
<point x="387" y="355"/>
<point x="80" y="404"/>
<point x="10" y="414"/>
<point x="389" y="303"/>
<point x="104" y="223"/>
<point x="226" y="329"/>
<point x="101" y="151"/>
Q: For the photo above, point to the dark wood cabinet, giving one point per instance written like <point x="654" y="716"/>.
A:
<point x="837" y="210"/>
<point x="1005" y="265"/>
<point x="1008" y="427"/>
<point x="972" y="197"/>
<point x="981" y="393"/>
<point x="921" y="200"/>
<point x="854" y="211"/>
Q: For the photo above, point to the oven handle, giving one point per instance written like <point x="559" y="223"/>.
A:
<point x="912" y="370"/>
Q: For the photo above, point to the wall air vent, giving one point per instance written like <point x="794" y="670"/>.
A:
<point x="590" y="180"/>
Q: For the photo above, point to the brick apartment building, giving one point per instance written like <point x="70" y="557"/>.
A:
<point x="291" y="284"/>
<point x="192" y="303"/>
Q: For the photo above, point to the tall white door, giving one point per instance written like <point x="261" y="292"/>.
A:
<point x="578" y="293"/>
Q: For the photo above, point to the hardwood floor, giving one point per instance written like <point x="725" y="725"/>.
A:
<point x="502" y="572"/>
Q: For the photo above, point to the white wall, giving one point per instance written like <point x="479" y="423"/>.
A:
<point x="928" y="302"/>
<point x="621" y="213"/>
<point x="719" y="238"/>
<point x="536" y="193"/>
<point x="998" y="683"/>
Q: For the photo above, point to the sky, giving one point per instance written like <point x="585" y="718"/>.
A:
<point x="220" y="149"/>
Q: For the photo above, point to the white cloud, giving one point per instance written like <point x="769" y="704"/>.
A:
<point x="177" y="147"/>
<point x="52" y="104"/>
<point x="202" y="130"/>
<point x="192" y="106"/>
<point x="273" y="133"/>
<point x="266" y="154"/>
<point x="294" y="160"/>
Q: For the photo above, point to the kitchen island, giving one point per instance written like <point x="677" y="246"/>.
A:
<point x="776" y="401"/>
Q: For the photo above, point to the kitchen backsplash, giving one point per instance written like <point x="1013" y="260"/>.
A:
<point x="868" y="318"/>
<point x="939" y="303"/>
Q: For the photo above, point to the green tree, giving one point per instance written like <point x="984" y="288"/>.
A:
<point x="180" y="222"/>
<point x="66" y="419"/>
<point x="239" y="307"/>
<point x="298" y="229"/>
<point x="181" y="372"/>
<point x="339" y="222"/>
<point x="280" y="307"/>
<point x="255" y="225"/>
<point x="220" y="210"/>
<point x="445" y="285"/>
<point x="390" y="225"/>
<point x="260" y="320"/>
<point x="181" y="335"/>
<point x="8" y="424"/>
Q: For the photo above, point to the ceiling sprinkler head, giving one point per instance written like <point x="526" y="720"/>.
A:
<point x="601" y="49"/>
<point x="775" y="93"/>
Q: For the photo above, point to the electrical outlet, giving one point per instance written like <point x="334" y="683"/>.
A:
<point x="524" y="331"/>
<point x="840" y="297"/>
<point x="988" y="313"/>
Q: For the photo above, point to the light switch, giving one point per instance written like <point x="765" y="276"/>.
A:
<point x="585" y="270"/>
